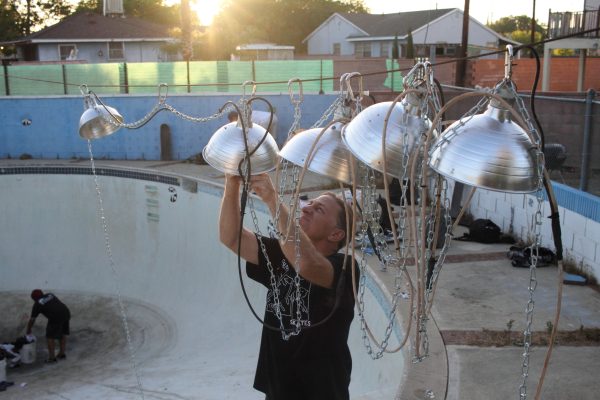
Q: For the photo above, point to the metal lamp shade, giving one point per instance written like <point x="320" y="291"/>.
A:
<point x="94" y="122"/>
<point x="489" y="151"/>
<point x="364" y="135"/>
<point x="225" y="149"/>
<point x="330" y="155"/>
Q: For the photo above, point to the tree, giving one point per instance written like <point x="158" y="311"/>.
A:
<point x="506" y="25"/>
<point x="35" y="15"/>
<point x="154" y="11"/>
<point x="519" y="29"/>
<point x="90" y="6"/>
<point x="395" y="48"/>
<point x="285" y="22"/>
<point x="9" y="30"/>
<point x="410" y="48"/>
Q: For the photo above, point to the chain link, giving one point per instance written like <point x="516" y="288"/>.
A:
<point x="298" y="322"/>
<point x="537" y="224"/>
<point x="111" y="262"/>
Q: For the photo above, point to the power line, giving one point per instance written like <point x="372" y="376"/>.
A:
<point x="455" y="60"/>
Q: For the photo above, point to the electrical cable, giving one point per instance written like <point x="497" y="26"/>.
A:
<point x="243" y="204"/>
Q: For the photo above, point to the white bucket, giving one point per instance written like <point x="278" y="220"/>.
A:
<point x="28" y="353"/>
<point x="3" y="370"/>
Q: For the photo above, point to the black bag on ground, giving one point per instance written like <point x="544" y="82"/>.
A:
<point x="483" y="231"/>
<point x="521" y="257"/>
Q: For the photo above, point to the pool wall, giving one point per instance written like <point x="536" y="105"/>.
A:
<point x="47" y="127"/>
<point x="163" y="240"/>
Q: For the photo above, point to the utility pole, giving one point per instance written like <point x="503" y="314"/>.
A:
<point x="461" y="65"/>
<point x="532" y="29"/>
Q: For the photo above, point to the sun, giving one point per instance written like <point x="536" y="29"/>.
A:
<point x="205" y="9"/>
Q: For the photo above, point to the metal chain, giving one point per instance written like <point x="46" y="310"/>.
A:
<point x="274" y="288"/>
<point x="537" y="224"/>
<point x="296" y="102"/>
<point x="116" y="279"/>
<point x="367" y="187"/>
<point x="289" y="177"/>
<point x="273" y="281"/>
<point x="450" y="134"/>
<point x="211" y="117"/>
<point x="522" y="110"/>
<point x="297" y="278"/>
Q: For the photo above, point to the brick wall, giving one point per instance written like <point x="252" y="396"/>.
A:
<point x="563" y="73"/>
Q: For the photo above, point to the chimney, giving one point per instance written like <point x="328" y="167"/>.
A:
<point x="113" y="8"/>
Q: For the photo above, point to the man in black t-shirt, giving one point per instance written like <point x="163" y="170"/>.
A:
<point x="298" y="361"/>
<point x="58" y="315"/>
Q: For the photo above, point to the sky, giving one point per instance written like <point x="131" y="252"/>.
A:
<point x="482" y="10"/>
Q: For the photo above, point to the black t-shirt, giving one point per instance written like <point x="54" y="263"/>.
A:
<point x="315" y="364"/>
<point x="51" y="307"/>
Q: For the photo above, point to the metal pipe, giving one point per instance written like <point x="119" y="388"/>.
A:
<point x="585" y="150"/>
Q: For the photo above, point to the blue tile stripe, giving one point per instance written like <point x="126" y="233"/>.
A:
<point x="119" y="173"/>
<point x="577" y="201"/>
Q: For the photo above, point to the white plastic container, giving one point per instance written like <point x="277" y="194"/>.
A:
<point x="28" y="353"/>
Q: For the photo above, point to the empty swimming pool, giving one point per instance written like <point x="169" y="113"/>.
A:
<point x="191" y="331"/>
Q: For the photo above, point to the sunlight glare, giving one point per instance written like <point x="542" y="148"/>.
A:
<point x="205" y="9"/>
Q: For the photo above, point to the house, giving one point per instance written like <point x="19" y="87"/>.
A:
<point x="562" y="24"/>
<point x="96" y="38"/>
<point x="263" y="51"/>
<point x="434" y="33"/>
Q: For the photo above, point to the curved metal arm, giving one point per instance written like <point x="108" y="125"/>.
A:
<point x="245" y="137"/>
<point x="271" y="112"/>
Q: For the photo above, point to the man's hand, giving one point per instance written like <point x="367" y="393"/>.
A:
<point x="263" y="187"/>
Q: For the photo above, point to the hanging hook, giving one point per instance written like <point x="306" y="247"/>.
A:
<point x="84" y="89"/>
<point x="415" y="74"/>
<point x="162" y="98"/>
<point x="88" y="100"/>
<point x="246" y="83"/>
<point x="508" y="62"/>
<point x="348" y="81"/>
<point x="300" y="98"/>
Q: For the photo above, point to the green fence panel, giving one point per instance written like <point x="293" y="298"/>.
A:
<point x="145" y="77"/>
<point x="204" y="77"/>
<point x="282" y="71"/>
<point x="394" y="79"/>
<point x="2" y="84"/>
<point x="29" y="80"/>
<point x="136" y="78"/>
<point x="219" y="76"/>
<point x="101" y="78"/>
<point x="232" y="74"/>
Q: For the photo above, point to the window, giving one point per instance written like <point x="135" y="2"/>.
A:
<point x="67" y="51"/>
<point x="115" y="51"/>
<point x="362" y="49"/>
<point x="446" y="50"/>
<point x="451" y="50"/>
<point x="336" y="49"/>
<point x="385" y="50"/>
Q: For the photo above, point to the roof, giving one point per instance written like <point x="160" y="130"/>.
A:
<point x="263" y="46"/>
<point x="88" y="27"/>
<point x="377" y="26"/>
<point x="389" y="24"/>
